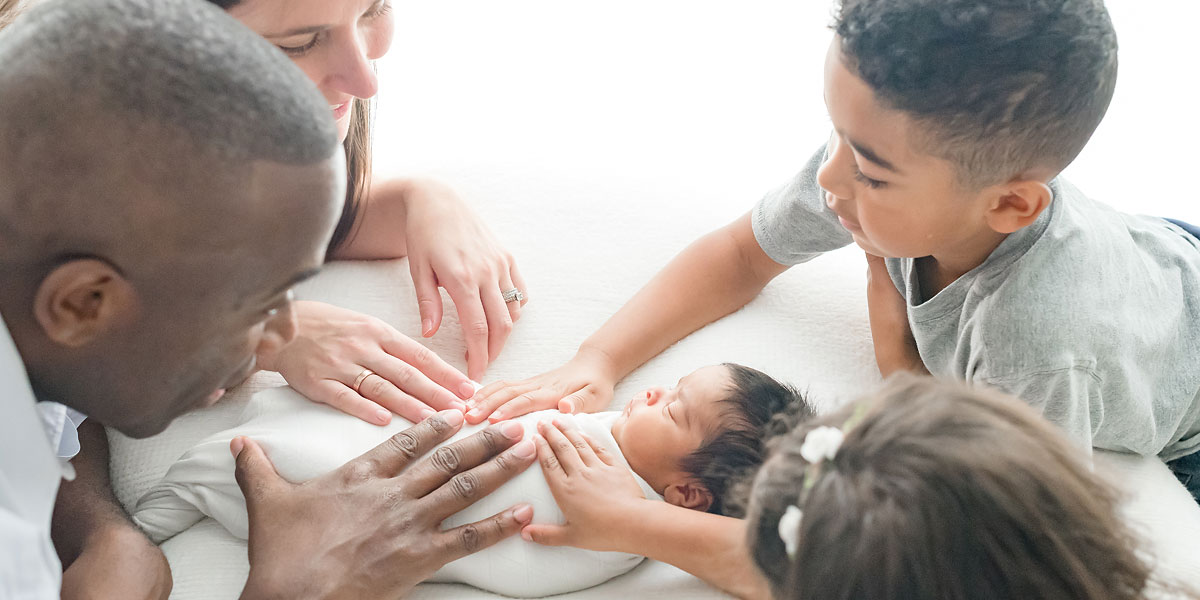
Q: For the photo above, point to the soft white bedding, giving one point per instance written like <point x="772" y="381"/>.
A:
<point x="599" y="139"/>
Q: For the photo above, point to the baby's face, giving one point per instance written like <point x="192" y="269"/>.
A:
<point x="661" y="426"/>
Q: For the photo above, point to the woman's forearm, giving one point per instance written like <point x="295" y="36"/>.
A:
<point x="379" y="225"/>
<point x="711" y="547"/>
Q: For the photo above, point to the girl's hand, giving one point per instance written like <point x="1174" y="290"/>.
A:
<point x="582" y="385"/>
<point x="364" y="367"/>
<point x="449" y="246"/>
<point x="595" y="493"/>
<point x="895" y="347"/>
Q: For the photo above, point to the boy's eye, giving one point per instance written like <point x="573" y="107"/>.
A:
<point x="867" y="181"/>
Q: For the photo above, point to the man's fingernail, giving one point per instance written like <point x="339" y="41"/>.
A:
<point x="427" y="327"/>
<point x="466" y="390"/>
<point x="452" y="418"/>
<point x="524" y="449"/>
<point x="237" y="445"/>
<point x="513" y="430"/>
<point x="383" y="417"/>
<point x="523" y="514"/>
<point x="525" y="535"/>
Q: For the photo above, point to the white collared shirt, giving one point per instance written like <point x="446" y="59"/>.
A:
<point x="29" y="476"/>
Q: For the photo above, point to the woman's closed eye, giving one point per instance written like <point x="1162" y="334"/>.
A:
<point x="296" y="50"/>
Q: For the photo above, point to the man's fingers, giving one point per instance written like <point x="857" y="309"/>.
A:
<point x="547" y="535"/>
<point x="429" y="299"/>
<point x="473" y="537"/>
<point x="534" y="400"/>
<point x="255" y="473"/>
<point x="397" y="452"/>
<point x="468" y="486"/>
<point x="454" y="459"/>
<point x="564" y="451"/>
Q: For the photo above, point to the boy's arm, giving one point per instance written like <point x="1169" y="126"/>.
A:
<point x="714" y="276"/>
<point x="891" y="335"/>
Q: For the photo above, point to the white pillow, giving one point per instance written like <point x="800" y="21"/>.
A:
<point x="305" y="439"/>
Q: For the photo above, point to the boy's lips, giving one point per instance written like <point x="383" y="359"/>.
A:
<point x="849" y="225"/>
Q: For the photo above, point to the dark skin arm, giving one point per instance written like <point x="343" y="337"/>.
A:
<point x="105" y="555"/>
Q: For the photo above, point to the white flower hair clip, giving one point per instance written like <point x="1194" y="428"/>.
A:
<point x="789" y="529"/>
<point x="821" y="444"/>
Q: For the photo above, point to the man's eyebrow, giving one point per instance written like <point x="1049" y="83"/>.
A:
<point x="298" y="31"/>
<point x="297" y="278"/>
<point x="872" y="156"/>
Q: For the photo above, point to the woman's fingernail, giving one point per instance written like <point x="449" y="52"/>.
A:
<point x="513" y="430"/>
<point x="568" y="406"/>
<point x="427" y="327"/>
<point x="429" y="412"/>
<point x="525" y="535"/>
<point x="523" y="513"/>
<point x="452" y="418"/>
<point x="466" y="390"/>
<point x="383" y="417"/>
<point x="496" y="417"/>
<point x="459" y="406"/>
<point x="524" y="449"/>
<point x="236" y="446"/>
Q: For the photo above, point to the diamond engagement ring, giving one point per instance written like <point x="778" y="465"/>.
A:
<point x="513" y="295"/>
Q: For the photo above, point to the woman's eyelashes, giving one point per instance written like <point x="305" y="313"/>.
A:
<point x="301" y="50"/>
<point x="380" y="8"/>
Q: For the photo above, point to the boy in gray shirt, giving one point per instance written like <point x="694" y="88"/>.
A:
<point x="952" y="120"/>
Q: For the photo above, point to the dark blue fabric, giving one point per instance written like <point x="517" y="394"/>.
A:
<point x="1187" y="470"/>
<point x="1188" y="227"/>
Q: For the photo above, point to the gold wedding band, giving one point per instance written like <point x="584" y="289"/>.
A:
<point x="358" y="381"/>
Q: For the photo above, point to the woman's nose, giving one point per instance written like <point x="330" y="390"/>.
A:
<point x="352" y="72"/>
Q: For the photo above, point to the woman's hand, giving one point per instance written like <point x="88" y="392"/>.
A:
<point x="118" y="562"/>
<point x="595" y="493"/>
<point x="364" y="367"/>
<point x="449" y="246"/>
<point x="895" y="347"/>
<point x="584" y="384"/>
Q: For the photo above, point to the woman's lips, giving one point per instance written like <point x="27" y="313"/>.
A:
<point x="340" y="110"/>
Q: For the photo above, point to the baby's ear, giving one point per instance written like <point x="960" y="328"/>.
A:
<point x="688" y="494"/>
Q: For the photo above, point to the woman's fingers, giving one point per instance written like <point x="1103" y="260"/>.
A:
<point x="344" y="398"/>
<point x="518" y="281"/>
<point x="474" y="321"/>
<point x="430" y="366"/>
<point x="429" y="298"/>
<point x="499" y="319"/>
<point x="384" y="393"/>
<point x="514" y="306"/>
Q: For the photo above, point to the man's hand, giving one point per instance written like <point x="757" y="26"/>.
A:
<point x="372" y="529"/>
<point x="895" y="347"/>
<point x="118" y="563"/>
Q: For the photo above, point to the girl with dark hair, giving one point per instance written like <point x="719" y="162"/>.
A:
<point x="929" y="489"/>
<point x="350" y="361"/>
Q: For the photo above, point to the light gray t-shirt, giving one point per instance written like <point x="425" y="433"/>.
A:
<point x="1090" y="315"/>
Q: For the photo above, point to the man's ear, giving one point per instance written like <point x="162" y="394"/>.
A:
<point x="1017" y="204"/>
<point x="80" y="300"/>
<point x="688" y="494"/>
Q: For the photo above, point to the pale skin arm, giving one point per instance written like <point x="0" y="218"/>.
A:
<point x="720" y="272"/>
<point x="605" y="510"/>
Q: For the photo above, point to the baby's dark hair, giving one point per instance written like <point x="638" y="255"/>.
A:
<point x="756" y="408"/>
<point x="942" y="491"/>
<point x="998" y="87"/>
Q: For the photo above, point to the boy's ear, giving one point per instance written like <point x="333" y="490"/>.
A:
<point x="688" y="494"/>
<point x="80" y="300"/>
<point x="1017" y="204"/>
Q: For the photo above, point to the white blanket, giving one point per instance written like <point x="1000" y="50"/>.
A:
<point x="598" y="140"/>
<point x="305" y="440"/>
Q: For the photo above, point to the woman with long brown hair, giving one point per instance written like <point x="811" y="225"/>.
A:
<point x="352" y="362"/>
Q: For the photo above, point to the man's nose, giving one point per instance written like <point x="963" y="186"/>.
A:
<point x="281" y="328"/>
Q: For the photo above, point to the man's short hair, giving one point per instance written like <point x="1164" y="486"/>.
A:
<point x="999" y="87"/>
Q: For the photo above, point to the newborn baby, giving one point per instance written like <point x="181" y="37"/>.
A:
<point x="684" y="445"/>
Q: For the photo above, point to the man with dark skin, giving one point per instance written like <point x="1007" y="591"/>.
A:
<point x="166" y="176"/>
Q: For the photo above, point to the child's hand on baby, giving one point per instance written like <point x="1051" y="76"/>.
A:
<point x="585" y="384"/>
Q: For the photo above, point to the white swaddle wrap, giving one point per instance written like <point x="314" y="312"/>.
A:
<point x="305" y="439"/>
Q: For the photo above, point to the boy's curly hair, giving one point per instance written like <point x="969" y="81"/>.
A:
<point x="997" y="87"/>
